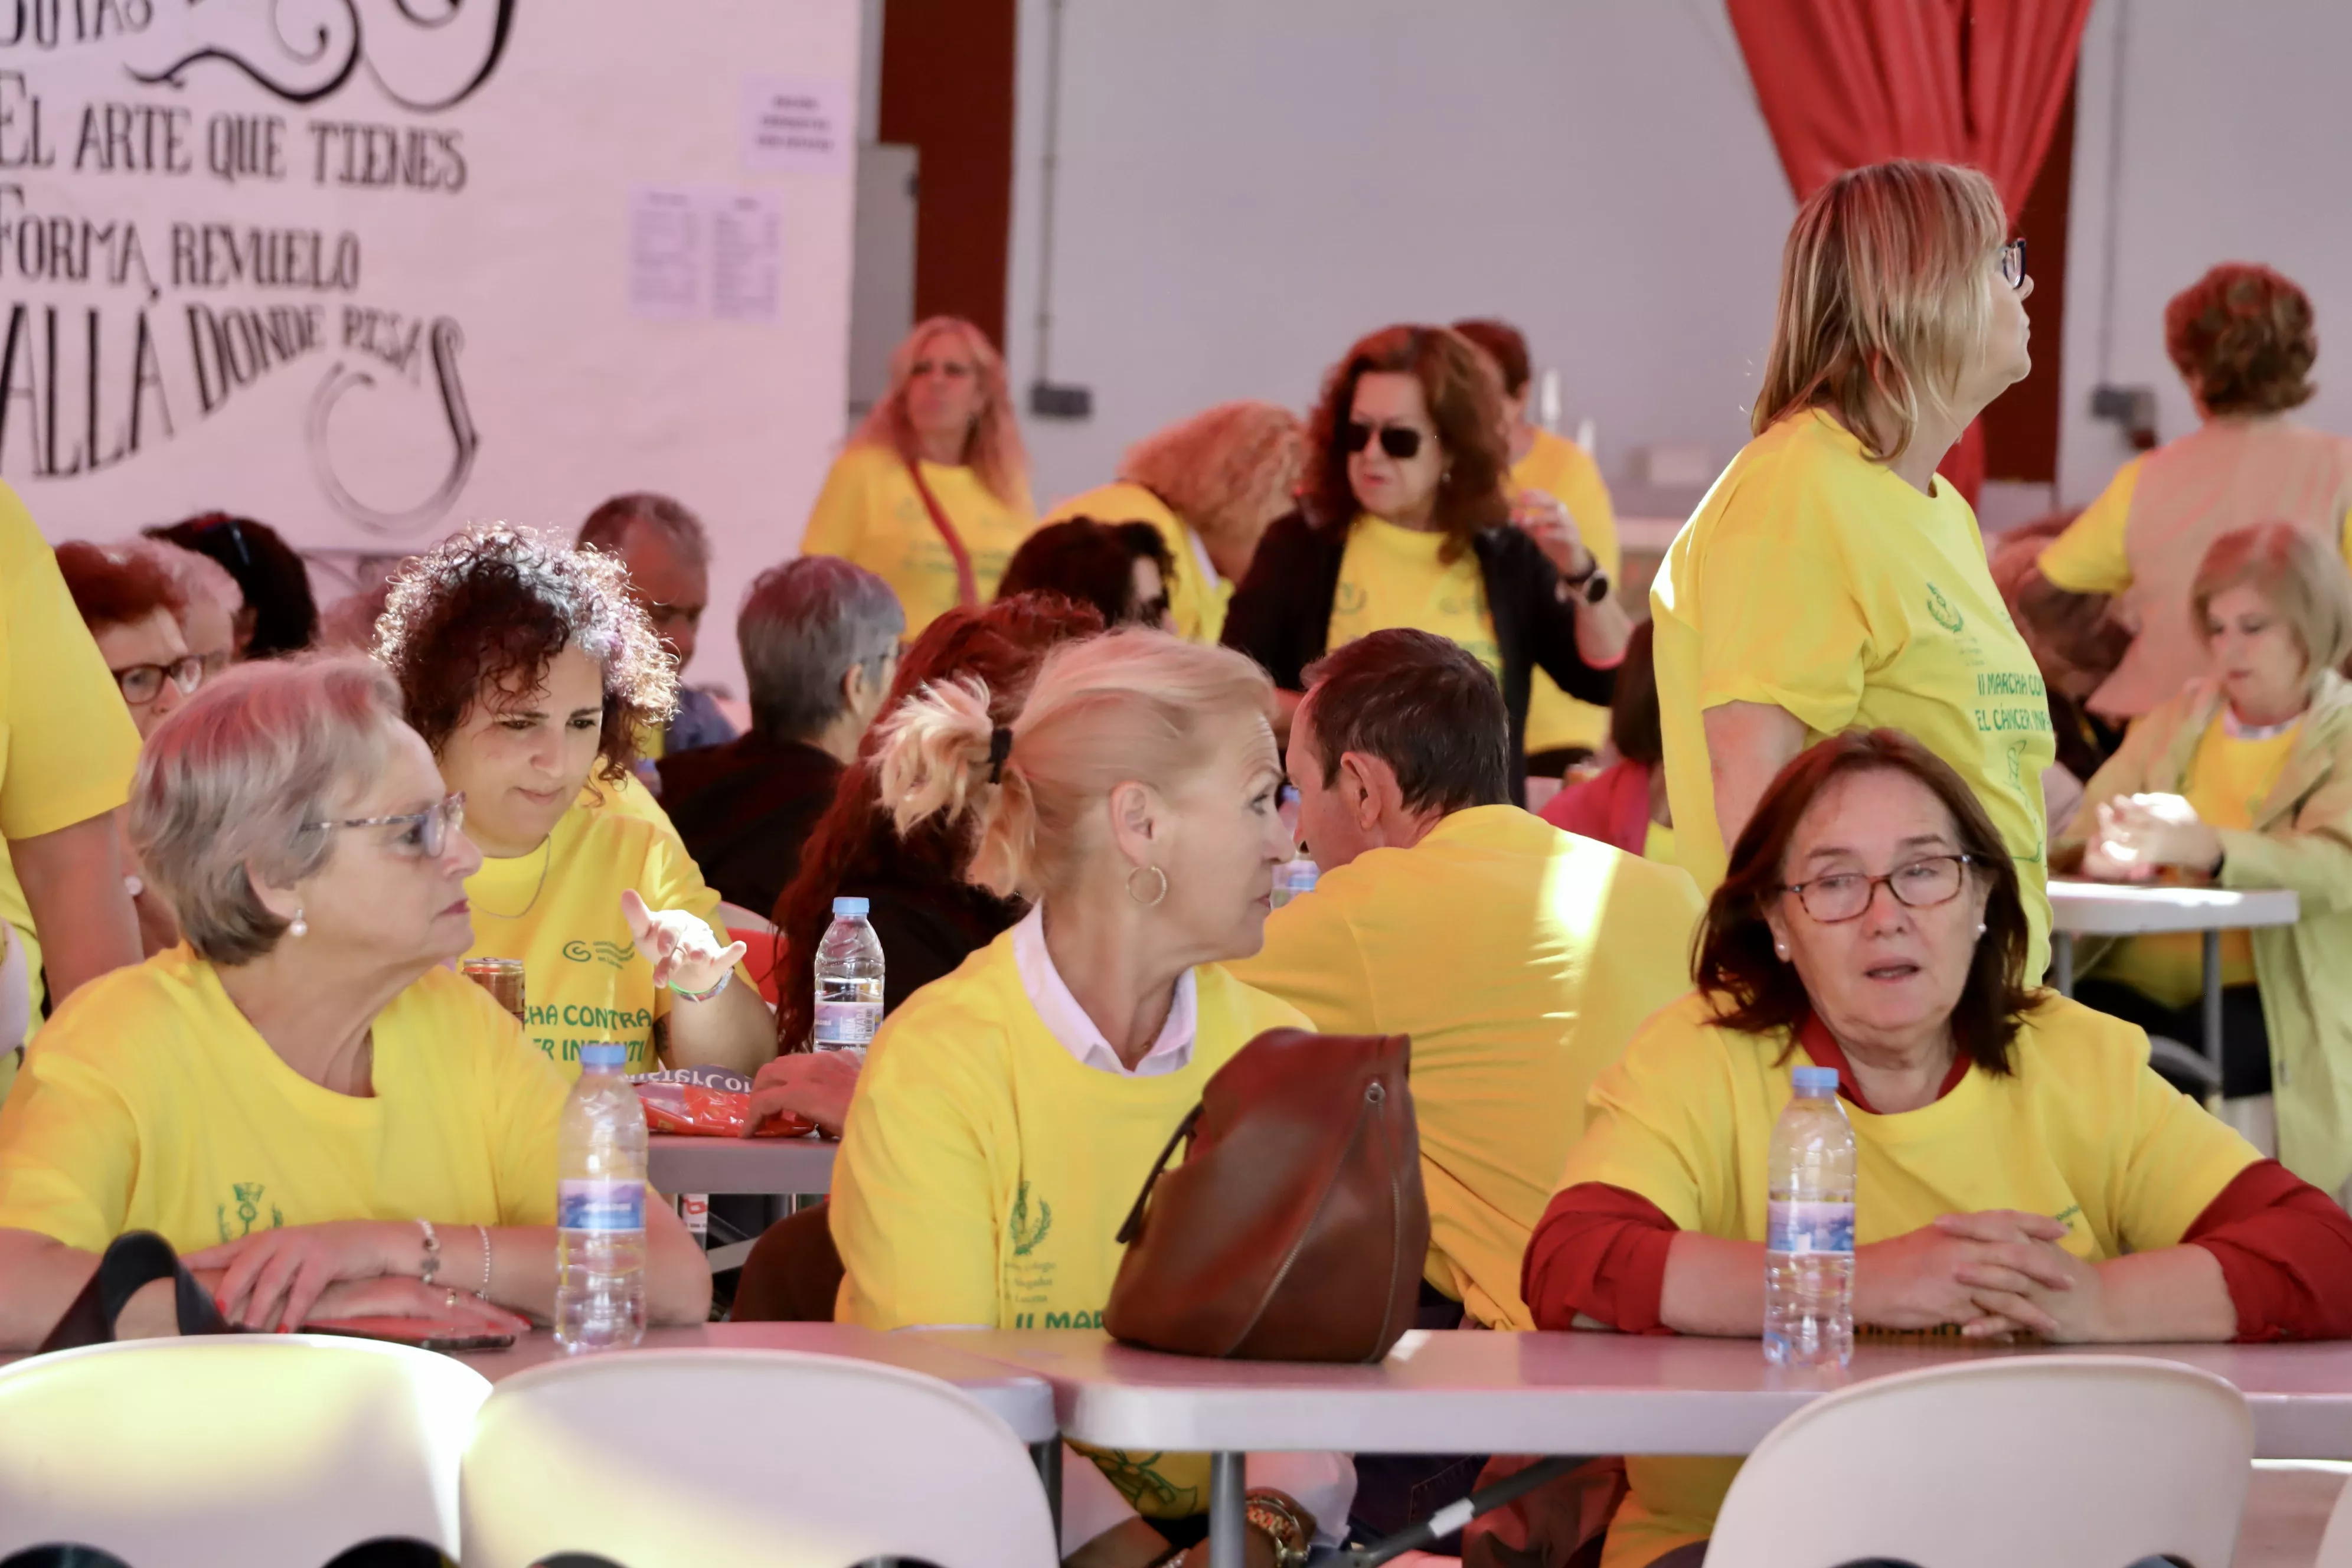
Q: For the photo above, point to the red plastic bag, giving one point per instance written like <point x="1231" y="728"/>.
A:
<point x="697" y="1111"/>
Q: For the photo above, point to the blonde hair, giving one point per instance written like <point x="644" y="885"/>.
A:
<point x="993" y="449"/>
<point x="1132" y="705"/>
<point x="1224" y="470"/>
<point x="1882" y="300"/>
<point x="2296" y="573"/>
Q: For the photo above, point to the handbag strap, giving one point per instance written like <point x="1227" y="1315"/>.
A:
<point x="966" y="586"/>
<point x="1134" y="1220"/>
<point x="131" y="1262"/>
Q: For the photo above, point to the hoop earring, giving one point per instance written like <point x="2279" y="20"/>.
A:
<point x="298" y="926"/>
<point x="1159" y="893"/>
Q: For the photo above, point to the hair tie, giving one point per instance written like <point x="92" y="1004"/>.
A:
<point x="1000" y="746"/>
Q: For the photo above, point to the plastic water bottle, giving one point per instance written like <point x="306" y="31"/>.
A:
<point x="600" y="1237"/>
<point x="1809" y="1240"/>
<point x="848" y="980"/>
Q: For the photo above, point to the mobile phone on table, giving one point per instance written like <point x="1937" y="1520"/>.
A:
<point x="423" y="1333"/>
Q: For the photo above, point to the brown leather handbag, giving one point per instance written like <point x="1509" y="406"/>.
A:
<point x="1295" y="1227"/>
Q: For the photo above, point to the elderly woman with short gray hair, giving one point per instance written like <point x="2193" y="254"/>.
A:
<point x="820" y="643"/>
<point x="304" y="1100"/>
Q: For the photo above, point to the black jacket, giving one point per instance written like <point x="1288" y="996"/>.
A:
<point x="744" y="810"/>
<point x="1281" y="616"/>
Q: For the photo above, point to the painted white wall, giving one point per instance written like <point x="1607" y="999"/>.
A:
<point x="2231" y="150"/>
<point x="1244" y="188"/>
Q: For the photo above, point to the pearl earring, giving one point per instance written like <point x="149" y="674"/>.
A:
<point x="298" y="926"/>
<point x="1980" y="928"/>
<point x="1782" y="949"/>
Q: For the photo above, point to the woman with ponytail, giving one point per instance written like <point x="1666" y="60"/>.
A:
<point x="1009" y="1112"/>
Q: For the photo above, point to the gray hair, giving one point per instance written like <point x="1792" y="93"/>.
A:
<point x="226" y="783"/>
<point x="801" y="627"/>
<point x="607" y="527"/>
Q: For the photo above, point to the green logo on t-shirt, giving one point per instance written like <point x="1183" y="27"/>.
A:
<point x="247" y="1196"/>
<point x="615" y="953"/>
<point x="1941" y="609"/>
<point x="1026" y="1235"/>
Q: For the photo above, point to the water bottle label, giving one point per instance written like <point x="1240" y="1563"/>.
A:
<point x="600" y="1205"/>
<point x="1808" y="1227"/>
<point x="840" y="1024"/>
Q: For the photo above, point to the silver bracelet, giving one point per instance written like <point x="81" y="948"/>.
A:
<point x="484" y="1293"/>
<point x="432" y="1264"/>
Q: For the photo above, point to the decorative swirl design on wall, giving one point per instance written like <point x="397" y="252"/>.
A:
<point x="320" y="54"/>
<point x="465" y="442"/>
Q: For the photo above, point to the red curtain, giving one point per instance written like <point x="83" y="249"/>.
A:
<point x="1848" y="82"/>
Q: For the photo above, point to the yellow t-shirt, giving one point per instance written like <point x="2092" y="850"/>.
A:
<point x="869" y="512"/>
<point x="1197" y="596"/>
<point x="151" y="1104"/>
<point x="558" y="909"/>
<point x="2082" y="1131"/>
<point x="68" y="747"/>
<point x="1520" y="959"/>
<point x="1815" y="581"/>
<point x="2228" y="781"/>
<point x="1390" y="576"/>
<point x="984" y="1170"/>
<point x="1566" y="471"/>
<point x="2088" y="557"/>
<point x="1658" y="844"/>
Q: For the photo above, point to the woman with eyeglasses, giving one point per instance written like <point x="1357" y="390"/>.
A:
<point x="1406" y="523"/>
<point x="1831" y="579"/>
<point x="2020" y="1169"/>
<point x="931" y="494"/>
<point x="305" y="1101"/>
<point x="531" y="670"/>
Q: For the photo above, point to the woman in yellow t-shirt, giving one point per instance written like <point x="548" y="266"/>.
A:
<point x="1212" y="485"/>
<point x="931" y="494"/>
<point x="1831" y="579"/>
<point x="1008" y="1114"/>
<point x="304" y="1100"/>
<point x="2245" y="778"/>
<point x="529" y="667"/>
<point x="2020" y="1168"/>
<point x="1406" y="525"/>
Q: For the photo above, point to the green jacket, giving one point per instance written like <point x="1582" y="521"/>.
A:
<point x="2300" y="840"/>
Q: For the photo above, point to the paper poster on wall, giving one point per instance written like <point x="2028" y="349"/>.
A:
<point x="797" y="124"/>
<point x="665" y="254"/>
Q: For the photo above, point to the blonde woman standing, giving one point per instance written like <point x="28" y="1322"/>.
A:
<point x="1831" y="580"/>
<point x="931" y="494"/>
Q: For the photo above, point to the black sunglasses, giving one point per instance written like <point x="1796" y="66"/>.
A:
<point x="1398" y="441"/>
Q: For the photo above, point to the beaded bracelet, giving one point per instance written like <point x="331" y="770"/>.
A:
<point x="725" y="975"/>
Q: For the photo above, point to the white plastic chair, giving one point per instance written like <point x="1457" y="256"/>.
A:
<point x="2069" y="1461"/>
<point x="261" y="1451"/>
<point x="707" y="1458"/>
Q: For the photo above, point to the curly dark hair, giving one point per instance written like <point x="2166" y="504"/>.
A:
<point x="2242" y="337"/>
<point x="1755" y="993"/>
<point x="1001" y="645"/>
<point x="495" y="605"/>
<point x="1466" y="404"/>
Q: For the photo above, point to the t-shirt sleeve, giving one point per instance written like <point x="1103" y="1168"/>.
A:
<point x="2089" y="558"/>
<point x="2180" y="1158"/>
<point x="1752" y="649"/>
<point x="839" y="515"/>
<point x="1312" y="960"/>
<point x="913" y="1216"/>
<point x="1660" y="1125"/>
<point x="71" y="747"/>
<point x="526" y="1092"/>
<point x="68" y="1150"/>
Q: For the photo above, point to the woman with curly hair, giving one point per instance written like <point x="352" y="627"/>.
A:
<point x="931" y="494"/>
<point x="1212" y="485"/>
<point x="2244" y="341"/>
<point x="1405" y="523"/>
<point x="527" y="668"/>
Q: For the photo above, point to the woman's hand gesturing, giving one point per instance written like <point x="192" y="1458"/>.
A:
<point x="683" y="952"/>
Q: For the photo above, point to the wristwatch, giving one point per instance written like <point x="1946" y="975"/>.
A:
<point x="1592" y="583"/>
<point x="1276" y="1517"/>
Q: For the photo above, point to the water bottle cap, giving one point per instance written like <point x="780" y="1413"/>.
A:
<point x="611" y="1057"/>
<point x="1815" y="1081"/>
<point x="843" y="908"/>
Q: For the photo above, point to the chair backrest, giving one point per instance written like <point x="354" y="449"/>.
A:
<point x="2335" y="1546"/>
<point x="2072" y="1461"/>
<point x="731" y="1458"/>
<point x="262" y="1451"/>
<point x="764" y="953"/>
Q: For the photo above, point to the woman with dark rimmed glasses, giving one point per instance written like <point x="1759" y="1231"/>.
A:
<point x="1405" y="523"/>
<point x="2020" y="1168"/>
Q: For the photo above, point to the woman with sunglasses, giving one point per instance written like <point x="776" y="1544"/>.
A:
<point x="531" y="670"/>
<point x="1831" y="579"/>
<point x="305" y="1101"/>
<point x="1405" y="523"/>
<point x="2020" y="1168"/>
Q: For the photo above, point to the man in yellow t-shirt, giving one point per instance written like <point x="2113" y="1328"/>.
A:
<point x="1520" y="959"/>
<point x="1197" y="596"/>
<point x="1817" y="582"/>
<point x="870" y="512"/>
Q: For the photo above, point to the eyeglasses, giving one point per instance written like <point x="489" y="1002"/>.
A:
<point x="1399" y="441"/>
<point x="1920" y="885"/>
<point x="427" y="831"/>
<point x="143" y="683"/>
<point x="2013" y="264"/>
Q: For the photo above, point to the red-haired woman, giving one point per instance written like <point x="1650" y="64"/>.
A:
<point x="1406" y="525"/>
<point x="932" y="493"/>
<point x="2242" y="339"/>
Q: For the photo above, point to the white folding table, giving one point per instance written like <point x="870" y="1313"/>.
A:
<point x="778" y="1169"/>
<point x="2108" y="908"/>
